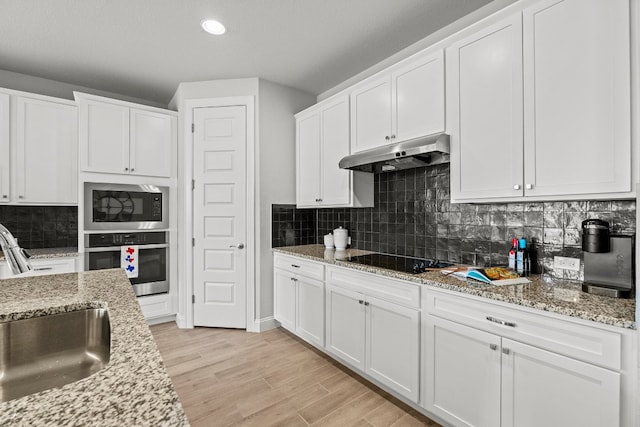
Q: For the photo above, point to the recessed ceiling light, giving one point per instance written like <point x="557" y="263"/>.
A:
<point x="213" y="27"/>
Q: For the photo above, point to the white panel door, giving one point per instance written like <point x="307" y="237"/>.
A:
<point x="462" y="374"/>
<point x="577" y="97"/>
<point x="284" y="310"/>
<point x="220" y="229"/>
<point x="393" y="346"/>
<point x="345" y="331"/>
<point x="152" y="136"/>
<point x="570" y="392"/>
<point x="5" y="141"/>
<point x="336" y="182"/>
<point x="104" y="133"/>
<point x="309" y="160"/>
<point x="418" y="97"/>
<point x="310" y="310"/>
<point x="46" y="149"/>
<point x="484" y="112"/>
<point x="371" y="115"/>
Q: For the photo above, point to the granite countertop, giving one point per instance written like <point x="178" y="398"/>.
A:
<point x="133" y="389"/>
<point x="49" y="253"/>
<point x="543" y="293"/>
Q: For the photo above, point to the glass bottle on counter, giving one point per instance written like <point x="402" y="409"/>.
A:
<point x="523" y="260"/>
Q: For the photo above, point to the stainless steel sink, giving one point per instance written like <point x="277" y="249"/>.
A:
<point x="50" y="351"/>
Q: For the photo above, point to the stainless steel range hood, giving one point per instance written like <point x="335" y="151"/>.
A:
<point x="424" y="151"/>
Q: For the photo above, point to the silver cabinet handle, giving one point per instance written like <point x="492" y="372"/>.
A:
<point x="366" y="303"/>
<point x="387" y="138"/>
<point x="43" y="268"/>
<point x="20" y="197"/>
<point x="506" y="351"/>
<point x="529" y="186"/>
<point x="238" y="246"/>
<point x="393" y="137"/>
<point x="4" y="196"/>
<point x="293" y="279"/>
<point x="126" y="169"/>
<point x="295" y="266"/>
<point x="132" y="169"/>
<point x="360" y="301"/>
<point x="493" y="346"/>
<point x="501" y="322"/>
<point x="516" y="187"/>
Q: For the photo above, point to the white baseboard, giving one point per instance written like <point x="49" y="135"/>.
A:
<point x="264" y="324"/>
<point x="161" y="319"/>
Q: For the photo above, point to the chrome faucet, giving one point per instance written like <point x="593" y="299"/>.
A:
<point x="15" y="255"/>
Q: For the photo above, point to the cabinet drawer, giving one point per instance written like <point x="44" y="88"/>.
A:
<point x="311" y="269"/>
<point x="43" y="267"/>
<point x="590" y="344"/>
<point x="385" y="288"/>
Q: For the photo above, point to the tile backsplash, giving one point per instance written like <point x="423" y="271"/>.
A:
<point x="413" y="216"/>
<point x="38" y="227"/>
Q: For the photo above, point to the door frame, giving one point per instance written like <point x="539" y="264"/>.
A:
<point x="185" y="202"/>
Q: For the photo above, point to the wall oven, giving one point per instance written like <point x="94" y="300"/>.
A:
<point x="125" y="207"/>
<point x="103" y="250"/>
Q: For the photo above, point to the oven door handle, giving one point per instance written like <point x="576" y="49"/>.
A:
<point x="117" y="248"/>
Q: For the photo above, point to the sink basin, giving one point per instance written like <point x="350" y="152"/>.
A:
<point x="50" y="351"/>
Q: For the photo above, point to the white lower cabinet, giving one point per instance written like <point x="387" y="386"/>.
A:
<point x="542" y="388"/>
<point x="44" y="266"/>
<point x="376" y="336"/>
<point x="299" y="297"/>
<point x="480" y="377"/>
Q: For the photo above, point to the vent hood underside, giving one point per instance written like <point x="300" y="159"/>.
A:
<point x="424" y="151"/>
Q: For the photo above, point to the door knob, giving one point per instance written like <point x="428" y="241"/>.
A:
<point x="238" y="246"/>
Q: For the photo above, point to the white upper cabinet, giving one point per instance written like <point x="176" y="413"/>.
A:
<point x="151" y="138"/>
<point x="484" y="110"/>
<point x="417" y="92"/>
<point x="371" y="115"/>
<point x="405" y="103"/>
<point x="46" y="152"/>
<point x="104" y="132"/>
<point x="5" y="151"/>
<point x="577" y="97"/>
<point x="322" y="139"/>
<point x="539" y="105"/>
<point x="38" y="149"/>
<point x="121" y="139"/>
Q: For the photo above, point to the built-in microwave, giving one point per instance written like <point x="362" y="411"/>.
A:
<point x="125" y="207"/>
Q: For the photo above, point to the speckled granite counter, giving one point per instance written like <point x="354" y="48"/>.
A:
<point x="543" y="293"/>
<point x="49" y="253"/>
<point x="133" y="389"/>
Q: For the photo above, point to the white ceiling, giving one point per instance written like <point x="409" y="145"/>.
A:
<point x="145" y="48"/>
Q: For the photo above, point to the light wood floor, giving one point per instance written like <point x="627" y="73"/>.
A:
<point x="231" y="377"/>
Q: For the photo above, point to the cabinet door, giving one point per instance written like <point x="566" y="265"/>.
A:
<point x="336" y="182"/>
<point x="541" y="388"/>
<point x="310" y="310"/>
<point x="309" y="163"/>
<point x="46" y="147"/>
<point x="462" y="374"/>
<point x="5" y="141"/>
<point x="577" y="97"/>
<point x="152" y="138"/>
<point x="104" y="132"/>
<point x="284" y="310"/>
<point x="484" y="112"/>
<point x="418" y="98"/>
<point x="345" y="331"/>
<point x="371" y="115"/>
<point x="393" y="346"/>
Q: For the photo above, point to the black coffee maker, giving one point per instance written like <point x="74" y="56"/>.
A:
<point x="609" y="260"/>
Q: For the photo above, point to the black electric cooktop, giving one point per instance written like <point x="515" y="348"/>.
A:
<point x="399" y="263"/>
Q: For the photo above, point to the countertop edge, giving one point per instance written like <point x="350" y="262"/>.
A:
<point x="479" y="290"/>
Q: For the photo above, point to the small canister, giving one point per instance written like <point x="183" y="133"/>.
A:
<point x="328" y="241"/>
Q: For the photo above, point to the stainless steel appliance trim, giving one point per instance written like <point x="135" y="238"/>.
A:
<point x="117" y="248"/>
<point x="150" y="288"/>
<point x="133" y="225"/>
